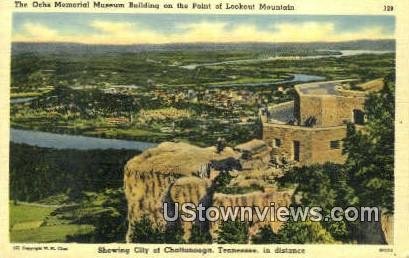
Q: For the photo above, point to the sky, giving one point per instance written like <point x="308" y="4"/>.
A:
<point x="106" y="28"/>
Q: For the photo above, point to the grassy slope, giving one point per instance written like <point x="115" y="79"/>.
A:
<point x="26" y="225"/>
<point x="57" y="233"/>
<point x="23" y="213"/>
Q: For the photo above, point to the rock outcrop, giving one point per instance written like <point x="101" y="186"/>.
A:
<point x="181" y="173"/>
<point x="189" y="189"/>
<point x="255" y="154"/>
<point x="170" y="172"/>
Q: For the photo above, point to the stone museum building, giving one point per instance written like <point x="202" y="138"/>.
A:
<point x="311" y="128"/>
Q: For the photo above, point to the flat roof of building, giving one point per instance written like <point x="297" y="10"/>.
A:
<point x="281" y="113"/>
<point x="321" y="88"/>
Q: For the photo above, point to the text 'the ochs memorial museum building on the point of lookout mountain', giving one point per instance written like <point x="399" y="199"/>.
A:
<point x="311" y="128"/>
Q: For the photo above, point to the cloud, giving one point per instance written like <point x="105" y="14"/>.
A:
<point x="37" y="32"/>
<point x="308" y="31"/>
<point x="109" y="32"/>
<point x="201" y="32"/>
<point x="111" y="27"/>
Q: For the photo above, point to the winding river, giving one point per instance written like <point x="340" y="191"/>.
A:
<point x="20" y="100"/>
<point x="273" y="58"/>
<point x="78" y="142"/>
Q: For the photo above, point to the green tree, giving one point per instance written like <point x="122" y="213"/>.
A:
<point x="75" y="194"/>
<point x="320" y="185"/>
<point x="325" y="186"/>
<point x="173" y="234"/>
<point x="266" y="236"/>
<point x="222" y="181"/>
<point x="200" y="235"/>
<point x="294" y="233"/>
<point x="304" y="232"/>
<point x="370" y="152"/>
<point x="144" y="232"/>
<point x="339" y="230"/>
<point x="110" y="226"/>
<point x="36" y="80"/>
<point x="233" y="232"/>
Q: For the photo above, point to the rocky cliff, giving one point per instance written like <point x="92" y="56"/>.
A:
<point x="179" y="172"/>
<point x="170" y="172"/>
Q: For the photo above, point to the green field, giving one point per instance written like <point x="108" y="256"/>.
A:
<point x="15" y="93"/>
<point x="28" y="225"/>
<point x="23" y="213"/>
<point x="55" y="234"/>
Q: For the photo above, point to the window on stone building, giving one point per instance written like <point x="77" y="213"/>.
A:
<point x="276" y="143"/>
<point x="296" y="150"/>
<point x="335" y="144"/>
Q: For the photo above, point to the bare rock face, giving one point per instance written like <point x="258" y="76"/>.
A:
<point x="255" y="154"/>
<point x="189" y="189"/>
<point x="387" y="228"/>
<point x="252" y="199"/>
<point x="158" y="175"/>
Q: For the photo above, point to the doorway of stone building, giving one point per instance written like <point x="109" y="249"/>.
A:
<point x="358" y="116"/>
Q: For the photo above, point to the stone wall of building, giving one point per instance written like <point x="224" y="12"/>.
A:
<point x="315" y="143"/>
<point x="345" y="107"/>
<point x="310" y="106"/>
<point x="321" y="145"/>
<point x="328" y="110"/>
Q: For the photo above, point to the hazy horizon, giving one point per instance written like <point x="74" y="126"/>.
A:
<point x="202" y="43"/>
<point x="160" y="29"/>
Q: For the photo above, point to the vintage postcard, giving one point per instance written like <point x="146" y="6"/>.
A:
<point x="204" y="128"/>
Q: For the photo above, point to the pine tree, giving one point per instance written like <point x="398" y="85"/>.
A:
<point x="173" y="234"/>
<point x="200" y="235"/>
<point x="143" y="232"/>
<point x="233" y="232"/>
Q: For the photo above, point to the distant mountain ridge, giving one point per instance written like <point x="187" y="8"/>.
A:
<point x="55" y="48"/>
